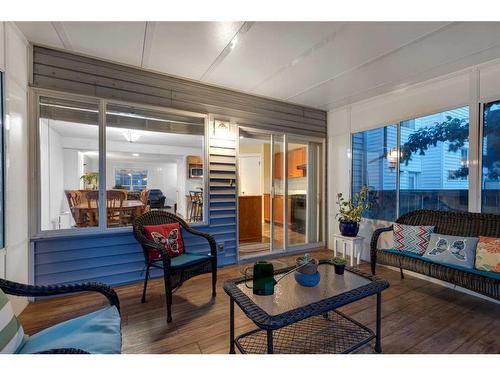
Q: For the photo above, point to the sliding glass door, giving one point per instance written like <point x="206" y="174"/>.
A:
<point x="290" y="173"/>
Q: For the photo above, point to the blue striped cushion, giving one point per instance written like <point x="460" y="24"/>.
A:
<point x="11" y="331"/>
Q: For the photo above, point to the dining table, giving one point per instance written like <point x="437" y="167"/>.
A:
<point x="134" y="207"/>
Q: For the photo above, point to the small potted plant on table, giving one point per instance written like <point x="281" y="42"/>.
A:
<point x="350" y="214"/>
<point x="339" y="265"/>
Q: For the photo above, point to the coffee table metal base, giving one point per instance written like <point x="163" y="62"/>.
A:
<point x="331" y="333"/>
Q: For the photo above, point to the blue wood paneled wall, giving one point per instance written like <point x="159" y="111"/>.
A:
<point x="116" y="258"/>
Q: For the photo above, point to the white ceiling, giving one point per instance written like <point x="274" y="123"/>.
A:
<point x="320" y="64"/>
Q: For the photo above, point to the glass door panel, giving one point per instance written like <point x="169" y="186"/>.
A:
<point x="297" y="174"/>
<point x="278" y="197"/>
<point x="254" y="193"/>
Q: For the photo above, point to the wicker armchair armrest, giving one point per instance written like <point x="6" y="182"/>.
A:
<point x="64" y="351"/>
<point x="24" y="290"/>
<point x="208" y="237"/>
<point x="147" y="243"/>
<point x="374" y="245"/>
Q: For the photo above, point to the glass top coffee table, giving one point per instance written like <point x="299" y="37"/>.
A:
<point x="298" y="319"/>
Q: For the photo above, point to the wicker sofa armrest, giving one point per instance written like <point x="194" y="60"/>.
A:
<point x="64" y="351"/>
<point x="374" y="245"/>
<point x="24" y="290"/>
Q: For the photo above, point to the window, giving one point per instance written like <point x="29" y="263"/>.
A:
<point x="2" y="211"/>
<point x="432" y="150"/>
<point x="130" y="179"/>
<point x="374" y="164"/>
<point x="429" y="158"/>
<point x="145" y="165"/>
<point x="491" y="159"/>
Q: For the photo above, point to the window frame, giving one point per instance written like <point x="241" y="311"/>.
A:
<point x="479" y="185"/>
<point x="34" y="95"/>
<point x="476" y="143"/>
<point x="3" y="119"/>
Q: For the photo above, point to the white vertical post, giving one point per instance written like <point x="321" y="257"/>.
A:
<point x="103" y="223"/>
<point x="475" y="142"/>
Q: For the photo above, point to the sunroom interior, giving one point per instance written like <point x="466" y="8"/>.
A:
<point x="116" y="123"/>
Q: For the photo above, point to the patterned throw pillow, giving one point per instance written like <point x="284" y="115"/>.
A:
<point x="456" y="250"/>
<point x="488" y="254"/>
<point x="11" y="331"/>
<point x="169" y="235"/>
<point x="412" y="238"/>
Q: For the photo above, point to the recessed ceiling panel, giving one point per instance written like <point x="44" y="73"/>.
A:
<point x="354" y="45"/>
<point x="40" y="32"/>
<point x="455" y="48"/>
<point x="267" y="49"/>
<point x="117" y="41"/>
<point x="187" y="49"/>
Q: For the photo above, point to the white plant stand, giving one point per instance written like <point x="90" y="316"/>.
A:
<point x="352" y="244"/>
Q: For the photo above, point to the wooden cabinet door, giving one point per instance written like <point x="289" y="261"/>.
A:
<point x="267" y="209"/>
<point x="296" y="157"/>
<point x="278" y="165"/>
<point x="278" y="209"/>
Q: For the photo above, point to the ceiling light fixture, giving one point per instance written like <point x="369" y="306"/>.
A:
<point x="135" y="154"/>
<point x="234" y="42"/>
<point x="131" y="136"/>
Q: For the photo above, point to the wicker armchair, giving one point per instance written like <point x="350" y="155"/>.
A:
<point x="450" y="223"/>
<point x="23" y="290"/>
<point x="182" y="267"/>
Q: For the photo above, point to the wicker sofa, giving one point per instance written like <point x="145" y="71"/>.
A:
<point x="449" y="223"/>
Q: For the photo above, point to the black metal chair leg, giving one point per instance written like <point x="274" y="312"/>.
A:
<point x="214" y="279"/>
<point x="143" y="299"/>
<point x="168" y="294"/>
<point x="402" y="274"/>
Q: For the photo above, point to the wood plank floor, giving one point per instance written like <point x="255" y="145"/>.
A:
<point x="417" y="316"/>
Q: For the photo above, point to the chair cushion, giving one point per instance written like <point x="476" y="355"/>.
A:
<point x="412" y="238"/>
<point x="491" y="275"/>
<point x="11" y="330"/>
<point x="488" y="254"/>
<point x="457" y="250"/>
<point x="185" y="259"/>
<point x="168" y="235"/>
<point x="98" y="332"/>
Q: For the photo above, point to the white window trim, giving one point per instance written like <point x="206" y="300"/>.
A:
<point x="34" y="198"/>
<point x="475" y="149"/>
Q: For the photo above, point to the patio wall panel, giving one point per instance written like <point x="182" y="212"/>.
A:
<point x="114" y="257"/>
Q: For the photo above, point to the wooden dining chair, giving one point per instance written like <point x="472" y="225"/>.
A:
<point x="74" y="198"/>
<point x="144" y="198"/>
<point x="114" y="202"/>
<point x="92" y="198"/>
<point x="196" y="212"/>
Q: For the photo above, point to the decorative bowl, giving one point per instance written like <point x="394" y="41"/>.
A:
<point x="308" y="280"/>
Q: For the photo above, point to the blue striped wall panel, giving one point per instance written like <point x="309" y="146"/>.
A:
<point x="112" y="258"/>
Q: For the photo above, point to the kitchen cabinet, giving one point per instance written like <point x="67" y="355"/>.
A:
<point x="297" y="161"/>
<point x="278" y="209"/>
<point x="250" y="218"/>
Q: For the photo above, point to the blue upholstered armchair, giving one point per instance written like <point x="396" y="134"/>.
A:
<point x="98" y="332"/>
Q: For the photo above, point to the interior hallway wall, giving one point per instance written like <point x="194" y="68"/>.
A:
<point x="14" y="259"/>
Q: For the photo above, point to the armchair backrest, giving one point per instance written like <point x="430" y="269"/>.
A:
<point x="153" y="218"/>
<point x="455" y="223"/>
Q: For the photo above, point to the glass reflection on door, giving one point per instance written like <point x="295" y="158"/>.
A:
<point x="278" y="198"/>
<point x="297" y="157"/>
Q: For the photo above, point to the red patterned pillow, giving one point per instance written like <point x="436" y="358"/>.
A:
<point x="169" y="235"/>
<point x="412" y="238"/>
